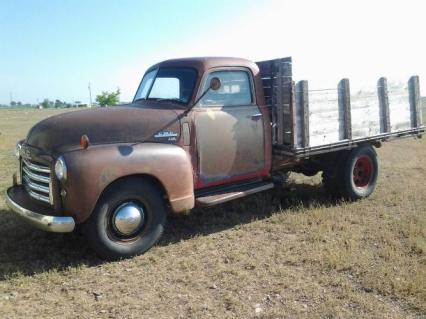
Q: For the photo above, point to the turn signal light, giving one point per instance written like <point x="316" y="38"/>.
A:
<point x="84" y="141"/>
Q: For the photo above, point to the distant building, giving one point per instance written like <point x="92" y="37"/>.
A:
<point x="79" y="104"/>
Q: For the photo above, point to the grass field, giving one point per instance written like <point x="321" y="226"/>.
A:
<point x="280" y="254"/>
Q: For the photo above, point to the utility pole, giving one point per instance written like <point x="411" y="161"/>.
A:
<point x="90" y="95"/>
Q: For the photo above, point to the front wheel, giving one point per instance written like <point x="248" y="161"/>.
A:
<point x="128" y="219"/>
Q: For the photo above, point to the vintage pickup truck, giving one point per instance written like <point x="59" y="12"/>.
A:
<point x="200" y="132"/>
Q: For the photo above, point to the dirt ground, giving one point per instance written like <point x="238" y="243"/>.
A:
<point x="282" y="254"/>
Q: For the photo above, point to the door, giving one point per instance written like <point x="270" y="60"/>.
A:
<point x="229" y="130"/>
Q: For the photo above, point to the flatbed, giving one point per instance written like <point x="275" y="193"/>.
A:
<point x="311" y="122"/>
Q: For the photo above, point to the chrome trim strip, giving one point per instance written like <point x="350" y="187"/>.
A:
<point x="35" y="186"/>
<point x="35" y="177"/>
<point x="33" y="180"/>
<point x="36" y="168"/>
<point x="51" y="193"/>
<point x="37" y="196"/>
<point x="56" y="224"/>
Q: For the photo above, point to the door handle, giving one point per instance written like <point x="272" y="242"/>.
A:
<point x="256" y="117"/>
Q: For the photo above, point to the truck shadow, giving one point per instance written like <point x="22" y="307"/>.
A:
<point x="25" y="251"/>
<point x="202" y="222"/>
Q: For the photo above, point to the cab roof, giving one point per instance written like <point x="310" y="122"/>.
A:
<point x="204" y="63"/>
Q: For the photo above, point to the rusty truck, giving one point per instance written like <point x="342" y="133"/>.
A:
<point x="201" y="132"/>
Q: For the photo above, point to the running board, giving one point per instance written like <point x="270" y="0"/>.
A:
<point x="222" y="196"/>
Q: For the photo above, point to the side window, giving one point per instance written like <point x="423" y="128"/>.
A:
<point x="235" y="89"/>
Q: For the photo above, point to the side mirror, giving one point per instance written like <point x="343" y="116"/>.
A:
<point x="215" y="84"/>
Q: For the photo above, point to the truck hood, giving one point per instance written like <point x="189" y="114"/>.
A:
<point x="122" y="124"/>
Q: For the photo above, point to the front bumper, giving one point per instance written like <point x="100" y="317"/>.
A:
<point x="37" y="215"/>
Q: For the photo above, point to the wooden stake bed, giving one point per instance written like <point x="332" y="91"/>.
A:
<point x="307" y="122"/>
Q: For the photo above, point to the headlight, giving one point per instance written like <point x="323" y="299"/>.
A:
<point x="18" y="149"/>
<point x="61" y="169"/>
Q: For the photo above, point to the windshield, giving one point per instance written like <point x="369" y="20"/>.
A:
<point x="176" y="84"/>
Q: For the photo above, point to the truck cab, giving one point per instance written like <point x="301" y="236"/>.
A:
<point x="224" y="133"/>
<point x="199" y="132"/>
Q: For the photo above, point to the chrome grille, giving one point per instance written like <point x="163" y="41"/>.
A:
<point x="36" y="180"/>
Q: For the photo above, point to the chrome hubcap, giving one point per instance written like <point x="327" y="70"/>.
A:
<point x="128" y="218"/>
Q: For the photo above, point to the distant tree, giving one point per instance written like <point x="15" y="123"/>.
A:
<point x="108" y="98"/>
<point x="59" y="103"/>
<point x="46" y="103"/>
<point x="19" y="103"/>
<point x="12" y="103"/>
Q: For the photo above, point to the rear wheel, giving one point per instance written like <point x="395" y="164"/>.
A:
<point x="353" y="174"/>
<point x="332" y="174"/>
<point x="360" y="172"/>
<point x="128" y="219"/>
<point x="330" y="181"/>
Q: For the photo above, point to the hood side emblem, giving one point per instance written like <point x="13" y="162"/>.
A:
<point x="169" y="135"/>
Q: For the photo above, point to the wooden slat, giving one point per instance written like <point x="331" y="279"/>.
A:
<point x="293" y="135"/>
<point x="266" y="67"/>
<point x="277" y="84"/>
<point x="414" y="93"/>
<point x="277" y="98"/>
<point x="345" y="106"/>
<point x="382" y="90"/>
<point x="302" y="104"/>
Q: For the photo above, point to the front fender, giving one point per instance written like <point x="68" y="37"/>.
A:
<point x="91" y="170"/>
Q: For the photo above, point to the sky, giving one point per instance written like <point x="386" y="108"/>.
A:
<point x="53" y="49"/>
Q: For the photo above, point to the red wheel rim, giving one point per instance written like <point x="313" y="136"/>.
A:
<point x="363" y="171"/>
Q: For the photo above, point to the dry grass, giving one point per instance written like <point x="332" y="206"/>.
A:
<point x="283" y="254"/>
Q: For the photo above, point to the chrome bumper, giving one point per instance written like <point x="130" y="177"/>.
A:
<point x="56" y="224"/>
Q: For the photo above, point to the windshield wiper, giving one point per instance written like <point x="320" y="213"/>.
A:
<point x="171" y="100"/>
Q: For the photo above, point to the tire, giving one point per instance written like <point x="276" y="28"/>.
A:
<point x="112" y="233"/>
<point x="329" y="180"/>
<point x="332" y="174"/>
<point x="360" y="173"/>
